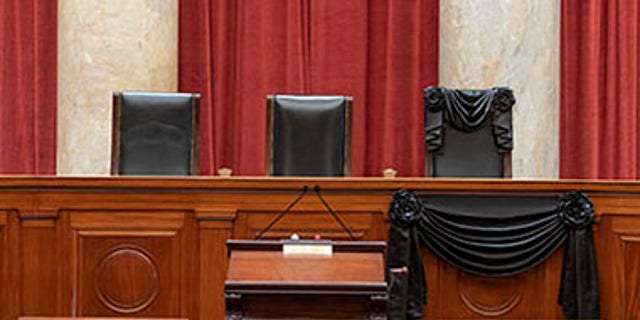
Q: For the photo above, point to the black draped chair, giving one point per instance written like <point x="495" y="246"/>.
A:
<point x="468" y="132"/>
<point x="308" y="135"/>
<point x="155" y="133"/>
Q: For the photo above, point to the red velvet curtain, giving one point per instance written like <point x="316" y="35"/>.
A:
<point x="28" y="86"/>
<point x="599" y="89"/>
<point x="381" y="52"/>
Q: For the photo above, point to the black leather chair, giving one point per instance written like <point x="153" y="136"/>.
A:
<point x="308" y="135"/>
<point x="468" y="132"/>
<point x="155" y="133"/>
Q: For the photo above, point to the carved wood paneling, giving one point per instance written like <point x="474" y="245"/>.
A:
<point x="160" y="242"/>
<point x="213" y="263"/>
<point x="490" y="297"/>
<point x="477" y="296"/>
<point x="126" y="280"/>
<point x="361" y="224"/>
<point x="454" y="294"/>
<point x="10" y="296"/>
<point x="4" y="265"/>
<point x="129" y="264"/>
<point x="631" y="269"/>
<point x="621" y="247"/>
<point x="610" y="262"/>
<point x="44" y="289"/>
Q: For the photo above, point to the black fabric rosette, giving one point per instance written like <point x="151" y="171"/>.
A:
<point x="503" y="102"/>
<point x="408" y="288"/>
<point x="434" y="102"/>
<point x="578" y="294"/>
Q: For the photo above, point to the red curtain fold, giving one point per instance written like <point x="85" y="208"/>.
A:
<point x="28" y="33"/>
<point x="599" y="89"/>
<point x="381" y="52"/>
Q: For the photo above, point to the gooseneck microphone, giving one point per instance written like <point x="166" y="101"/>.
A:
<point x="333" y="213"/>
<point x="303" y="192"/>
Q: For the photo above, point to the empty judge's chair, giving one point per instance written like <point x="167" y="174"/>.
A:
<point x="308" y="135"/>
<point x="468" y="132"/>
<point x="155" y="133"/>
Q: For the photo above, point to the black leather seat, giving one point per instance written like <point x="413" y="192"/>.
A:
<point x="308" y="135"/>
<point x="468" y="132"/>
<point x="155" y="133"/>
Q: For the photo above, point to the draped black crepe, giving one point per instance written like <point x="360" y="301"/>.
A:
<point x="467" y="111"/>
<point x="492" y="236"/>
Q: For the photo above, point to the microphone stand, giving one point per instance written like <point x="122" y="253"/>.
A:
<point x="326" y="205"/>
<point x="333" y="213"/>
<point x="304" y="191"/>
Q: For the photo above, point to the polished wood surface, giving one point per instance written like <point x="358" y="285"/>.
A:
<point x="155" y="246"/>
<point x="266" y="263"/>
<point x="265" y="283"/>
<point x="275" y="266"/>
<point x="100" y="318"/>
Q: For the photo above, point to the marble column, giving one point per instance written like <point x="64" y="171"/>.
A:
<point x="514" y="43"/>
<point x="106" y="46"/>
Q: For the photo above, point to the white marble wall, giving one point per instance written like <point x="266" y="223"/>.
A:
<point x="106" y="46"/>
<point x="515" y="43"/>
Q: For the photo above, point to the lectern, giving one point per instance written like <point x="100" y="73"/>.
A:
<point x="305" y="280"/>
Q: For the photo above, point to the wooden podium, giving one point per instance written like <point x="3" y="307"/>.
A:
<point x="300" y="280"/>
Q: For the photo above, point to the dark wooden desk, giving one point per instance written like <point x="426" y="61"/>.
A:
<point x="155" y="247"/>
<point x="101" y="318"/>
<point x="263" y="282"/>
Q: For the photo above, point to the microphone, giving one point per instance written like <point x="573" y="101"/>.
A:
<point x="333" y="213"/>
<point x="303" y="192"/>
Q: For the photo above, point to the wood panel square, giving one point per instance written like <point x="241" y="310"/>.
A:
<point x="120" y="274"/>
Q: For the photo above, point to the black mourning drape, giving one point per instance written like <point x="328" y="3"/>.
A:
<point x="467" y="110"/>
<point x="492" y="236"/>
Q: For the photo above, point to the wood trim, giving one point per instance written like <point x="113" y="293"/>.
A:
<point x="506" y="165"/>
<point x="115" y="132"/>
<point x="214" y="224"/>
<point x="348" y="116"/>
<point x="130" y="184"/>
<point x="90" y="318"/>
<point x="215" y="214"/>
<point x="128" y="233"/>
<point x="44" y="265"/>
<point x="37" y="223"/>
<point x="630" y="238"/>
<point x="428" y="162"/>
<point x="338" y="246"/>
<point x="39" y="213"/>
<point x="195" y="134"/>
<point x="269" y="287"/>
<point x="271" y="104"/>
<point x="626" y="226"/>
<point x="130" y="220"/>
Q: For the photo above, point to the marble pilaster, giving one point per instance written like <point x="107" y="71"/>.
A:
<point x="106" y="46"/>
<point x="514" y="43"/>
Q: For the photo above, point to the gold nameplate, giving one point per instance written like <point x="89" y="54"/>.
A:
<point x="307" y="248"/>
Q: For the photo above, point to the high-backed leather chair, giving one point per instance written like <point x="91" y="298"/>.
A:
<point x="155" y="133"/>
<point x="308" y="135"/>
<point x="468" y="132"/>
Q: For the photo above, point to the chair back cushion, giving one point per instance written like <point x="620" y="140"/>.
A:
<point x="468" y="132"/>
<point x="155" y="133"/>
<point x="308" y="135"/>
